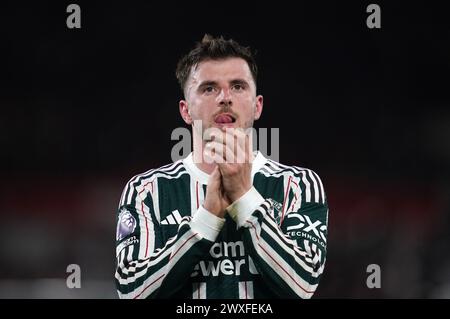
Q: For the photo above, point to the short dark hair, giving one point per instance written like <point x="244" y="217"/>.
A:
<point x="211" y="48"/>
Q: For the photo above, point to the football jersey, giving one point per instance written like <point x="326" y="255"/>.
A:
<point x="271" y="244"/>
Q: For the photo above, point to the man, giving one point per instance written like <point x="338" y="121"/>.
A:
<point x="224" y="222"/>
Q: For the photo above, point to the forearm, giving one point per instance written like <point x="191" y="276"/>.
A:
<point x="291" y="269"/>
<point x="163" y="273"/>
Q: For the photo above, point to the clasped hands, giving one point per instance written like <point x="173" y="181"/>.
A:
<point x="231" y="151"/>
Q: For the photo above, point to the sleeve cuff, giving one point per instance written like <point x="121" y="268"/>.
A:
<point x="206" y="224"/>
<point x="242" y="208"/>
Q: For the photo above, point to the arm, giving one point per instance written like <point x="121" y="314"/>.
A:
<point x="290" y="262"/>
<point x="146" y="266"/>
<point x="290" y="257"/>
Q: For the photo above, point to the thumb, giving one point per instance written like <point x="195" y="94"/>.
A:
<point x="214" y="179"/>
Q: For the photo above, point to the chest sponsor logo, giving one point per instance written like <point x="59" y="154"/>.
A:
<point x="228" y="258"/>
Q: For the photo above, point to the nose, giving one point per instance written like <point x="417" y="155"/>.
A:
<point x="224" y="98"/>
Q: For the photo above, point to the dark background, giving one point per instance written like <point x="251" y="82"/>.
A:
<point x="83" y="110"/>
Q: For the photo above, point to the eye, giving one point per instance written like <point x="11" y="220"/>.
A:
<point x="208" y="89"/>
<point x="238" y="87"/>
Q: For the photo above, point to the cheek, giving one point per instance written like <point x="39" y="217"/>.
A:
<point x="200" y="112"/>
<point x="250" y="102"/>
<point x="248" y="107"/>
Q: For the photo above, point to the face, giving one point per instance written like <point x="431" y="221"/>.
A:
<point x="222" y="94"/>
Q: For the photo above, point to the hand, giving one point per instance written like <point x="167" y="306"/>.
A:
<point x="231" y="151"/>
<point x="215" y="201"/>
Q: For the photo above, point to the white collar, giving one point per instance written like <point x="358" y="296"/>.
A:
<point x="202" y="177"/>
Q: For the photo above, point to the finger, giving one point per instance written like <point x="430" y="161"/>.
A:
<point x="247" y="145"/>
<point x="220" y="152"/>
<point x="238" y="137"/>
<point x="214" y="180"/>
<point x="228" y="139"/>
<point x="231" y="143"/>
<point x="214" y="134"/>
<point x="215" y="175"/>
<point x="211" y="156"/>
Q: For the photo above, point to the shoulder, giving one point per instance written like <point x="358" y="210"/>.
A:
<point x="304" y="179"/>
<point x="163" y="171"/>
<point x="142" y="180"/>
<point x="275" y="168"/>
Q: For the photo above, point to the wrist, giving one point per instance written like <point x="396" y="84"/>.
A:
<point x="238" y="193"/>
<point x="241" y="209"/>
<point x="212" y="209"/>
<point x="206" y="224"/>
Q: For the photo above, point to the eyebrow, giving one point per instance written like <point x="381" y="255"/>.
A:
<point x="239" y="81"/>
<point x="207" y="83"/>
<point x="232" y="82"/>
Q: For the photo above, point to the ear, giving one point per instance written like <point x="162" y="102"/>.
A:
<point x="184" y="111"/>
<point x="258" y="107"/>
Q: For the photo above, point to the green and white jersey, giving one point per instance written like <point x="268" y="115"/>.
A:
<point x="271" y="244"/>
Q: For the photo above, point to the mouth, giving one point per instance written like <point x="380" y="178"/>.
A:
<point x="224" y="118"/>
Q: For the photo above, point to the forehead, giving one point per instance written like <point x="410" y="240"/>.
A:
<point x="221" y="70"/>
